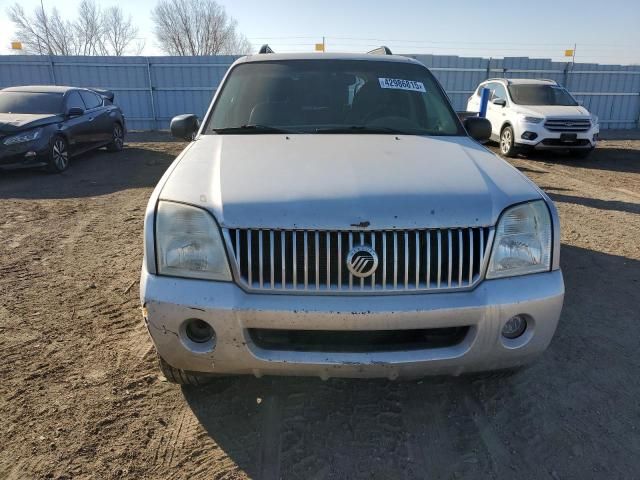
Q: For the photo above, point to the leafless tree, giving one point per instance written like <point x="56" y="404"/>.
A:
<point x="88" y="28"/>
<point x="197" y="27"/>
<point x="118" y="33"/>
<point x="94" y="31"/>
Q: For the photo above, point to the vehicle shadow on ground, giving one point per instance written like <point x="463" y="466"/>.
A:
<point x="602" y="158"/>
<point x="91" y="174"/>
<point x="616" y="205"/>
<point x="566" y="416"/>
<point x="613" y="159"/>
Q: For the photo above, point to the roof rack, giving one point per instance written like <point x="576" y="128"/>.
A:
<point x="380" y="51"/>
<point x="265" y="49"/>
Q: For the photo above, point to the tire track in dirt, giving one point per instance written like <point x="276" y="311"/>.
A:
<point x="270" y="438"/>
<point x="78" y="369"/>
<point x="429" y="441"/>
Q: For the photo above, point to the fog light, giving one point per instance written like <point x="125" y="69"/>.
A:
<point x="514" y="327"/>
<point x="529" y="135"/>
<point x="199" y="331"/>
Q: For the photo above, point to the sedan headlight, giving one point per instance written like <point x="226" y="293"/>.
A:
<point x="528" y="119"/>
<point x="523" y="241"/>
<point x="23" y="137"/>
<point x="189" y="244"/>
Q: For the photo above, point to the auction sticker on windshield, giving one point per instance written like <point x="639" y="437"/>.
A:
<point x="400" y="84"/>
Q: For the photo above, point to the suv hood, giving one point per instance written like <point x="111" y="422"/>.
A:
<point x="553" y="111"/>
<point x="17" y="122"/>
<point x="345" y="181"/>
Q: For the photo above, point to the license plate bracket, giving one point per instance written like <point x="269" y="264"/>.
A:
<point x="568" y="137"/>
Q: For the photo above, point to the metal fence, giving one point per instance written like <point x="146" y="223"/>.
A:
<point x="151" y="90"/>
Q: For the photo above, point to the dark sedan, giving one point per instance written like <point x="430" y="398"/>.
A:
<point x="44" y="126"/>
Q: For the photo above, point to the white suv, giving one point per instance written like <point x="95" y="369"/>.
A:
<point x="528" y="114"/>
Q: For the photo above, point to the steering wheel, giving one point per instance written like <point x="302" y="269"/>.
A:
<point x="378" y="112"/>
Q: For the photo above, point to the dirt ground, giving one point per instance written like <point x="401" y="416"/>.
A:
<point x="80" y="395"/>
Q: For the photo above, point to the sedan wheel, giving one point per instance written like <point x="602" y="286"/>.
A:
<point x="59" y="159"/>
<point x="117" y="139"/>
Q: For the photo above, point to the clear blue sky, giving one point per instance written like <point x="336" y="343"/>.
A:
<point x="604" y="31"/>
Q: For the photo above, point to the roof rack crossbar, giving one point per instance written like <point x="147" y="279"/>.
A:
<point x="265" y="49"/>
<point x="383" y="50"/>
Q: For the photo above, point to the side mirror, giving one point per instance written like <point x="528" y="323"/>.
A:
<point x="500" y="101"/>
<point x="185" y="126"/>
<point x="466" y="114"/>
<point x="75" y="112"/>
<point x="478" y="128"/>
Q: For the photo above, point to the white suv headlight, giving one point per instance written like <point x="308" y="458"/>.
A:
<point x="528" y="119"/>
<point x="523" y="241"/>
<point x="189" y="244"/>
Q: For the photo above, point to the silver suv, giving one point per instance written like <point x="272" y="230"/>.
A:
<point x="333" y="217"/>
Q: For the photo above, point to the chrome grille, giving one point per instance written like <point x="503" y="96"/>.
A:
<point x="315" y="261"/>
<point x="567" y="125"/>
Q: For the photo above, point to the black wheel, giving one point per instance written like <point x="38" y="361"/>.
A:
<point x="581" y="153"/>
<point x="507" y="142"/>
<point x="58" y="155"/>
<point x="181" y="377"/>
<point x="117" y="138"/>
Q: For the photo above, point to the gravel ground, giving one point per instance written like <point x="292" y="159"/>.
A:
<point x="80" y="395"/>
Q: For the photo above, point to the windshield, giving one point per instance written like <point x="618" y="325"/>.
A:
<point x="541" y="95"/>
<point x="30" y="102"/>
<point x="332" y="96"/>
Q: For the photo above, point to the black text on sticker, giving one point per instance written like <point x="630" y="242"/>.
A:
<point x="400" y="84"/>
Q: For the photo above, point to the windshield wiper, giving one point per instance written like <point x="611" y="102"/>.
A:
<point x="366" y="129"/>
<point x="251" y="128"/>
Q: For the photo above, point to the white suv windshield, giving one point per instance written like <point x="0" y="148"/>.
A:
<point x="540" y="95"/>
<point x="332" y="96"/>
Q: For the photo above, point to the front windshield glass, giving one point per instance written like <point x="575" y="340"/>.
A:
<point x="30" y="102"/>
<point x="332" y="96"/>
<point x="540" y="95"/>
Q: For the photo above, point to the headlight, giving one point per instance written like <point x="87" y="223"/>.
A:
<point x="523" y="241"/>
<point x="594" y="119"/>
<point x="23" y="137"/>
<point x="189" y="244"/>
<point x="528" y="119"/>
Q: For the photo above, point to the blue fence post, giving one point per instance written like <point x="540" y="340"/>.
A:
<point x="484" y="101"/>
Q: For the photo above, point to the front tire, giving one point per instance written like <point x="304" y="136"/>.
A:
<point x="58" y="155"/>
<point x="181" y="377"/>
<point x="117" y="139"/>
<point x="507" y="142"/>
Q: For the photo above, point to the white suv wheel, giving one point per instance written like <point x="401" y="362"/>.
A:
<point x="507" y="147"/>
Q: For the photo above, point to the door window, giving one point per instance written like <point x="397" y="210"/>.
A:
<point x="91" y="100"/>
<point x="74" y="101"/>
<point x="482" y="87"/>
<point x="499" y="91"/>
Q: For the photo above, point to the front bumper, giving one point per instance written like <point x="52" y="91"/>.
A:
<point x="551" y="140"/>
<point x="169" y="302"/>
<point x="26" y="154"/>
